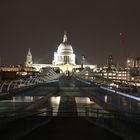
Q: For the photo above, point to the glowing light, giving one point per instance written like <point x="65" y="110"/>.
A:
<point x="14" y="99"/>
<point x="55" y="100"/>
<point x="128" y="61"/>
<point x="123" y="94"/>
<point x="105" y="98"/>
<point x="53" y="81"/>
<point x="81" y="100"/>
<point x="84" y="81"/>
<point x="88" y="101"/>
<point x="132" y="78"/>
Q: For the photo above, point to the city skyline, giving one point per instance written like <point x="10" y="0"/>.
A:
<point x="93" y="29"/>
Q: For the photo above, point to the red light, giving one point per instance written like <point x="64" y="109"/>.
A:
<point x="120" y="33"/>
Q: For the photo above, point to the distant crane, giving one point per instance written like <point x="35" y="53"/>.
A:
<point x="122" y="41"/>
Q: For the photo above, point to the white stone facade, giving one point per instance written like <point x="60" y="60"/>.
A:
<point x="29" y="60"/>
<point x="64" y="54"/>
<point x="64" y="58"/>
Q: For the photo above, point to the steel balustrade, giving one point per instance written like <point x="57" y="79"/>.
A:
<point x="17" y="84"/>
<point x="2" y="86"/>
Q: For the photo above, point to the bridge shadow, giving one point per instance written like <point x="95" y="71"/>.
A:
<point x="67" y="106"/>
<point x="67" y="81"/>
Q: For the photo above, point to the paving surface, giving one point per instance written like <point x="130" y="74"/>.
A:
<point x="68" y="106"/>
<point x="67" y="125"/>
<point x="70" y="129"/>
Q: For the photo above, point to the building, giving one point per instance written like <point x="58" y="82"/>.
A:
<point x="133" y="63"/>
<point x="111" y="71"/>
<point x="16" y="72"/>
<point x="133" y="66"/>
<point x="64" y="59"/>
<point x="29" y="60"/>
<point x="64" y="54"/>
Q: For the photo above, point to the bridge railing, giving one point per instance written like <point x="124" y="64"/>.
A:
<point x="111" y="120"/>
<point x="8" y="86"/>
<point x="84" y="112"/>
<point x="92" y="114"/>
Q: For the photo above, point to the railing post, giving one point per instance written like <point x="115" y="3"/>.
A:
<point x="9" y="85"/>
<point x="2" y="87"/>
<point x="86" y="112"/>
<point x="97" y="113"/>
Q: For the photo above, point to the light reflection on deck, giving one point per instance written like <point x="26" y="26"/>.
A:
<point x="84" y="105"/>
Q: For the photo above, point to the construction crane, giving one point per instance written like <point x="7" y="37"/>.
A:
<point x="124" y="50"/>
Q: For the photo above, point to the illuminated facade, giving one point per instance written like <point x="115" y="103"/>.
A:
<point x="64" y="54"/>
<point x="112" y="72"/>
<point x="133" y="66"/>
<point x="64" y="58"/>
<point x="29" y="60"/>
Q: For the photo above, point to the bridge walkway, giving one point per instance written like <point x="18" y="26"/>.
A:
<point x="67" y="124"/>
<point x="67" y="107"/>
<point x="70" y="128"/>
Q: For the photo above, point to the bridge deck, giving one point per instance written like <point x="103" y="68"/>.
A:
<point x="75" y="97"/>
<point x="63" y="128"/>
<point x="71" y="129"/>
<point x="68" y="105"/>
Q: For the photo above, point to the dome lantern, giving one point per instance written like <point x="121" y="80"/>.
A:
<point x="65" y="38"/>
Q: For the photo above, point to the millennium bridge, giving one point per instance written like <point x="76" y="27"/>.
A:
<point x="77" y="106"/>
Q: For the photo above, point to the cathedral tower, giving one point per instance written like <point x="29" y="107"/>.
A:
<point x="29" y="60"/>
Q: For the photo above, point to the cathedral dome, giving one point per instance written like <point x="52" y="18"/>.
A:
<point x="65" y="47"/>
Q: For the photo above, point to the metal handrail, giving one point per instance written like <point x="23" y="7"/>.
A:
<point x="2" y="86"/>
<point x="87" y="112"/>
<point x="28" y="82"/>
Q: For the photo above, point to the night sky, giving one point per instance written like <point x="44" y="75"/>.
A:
<point x="93" y="28"/>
